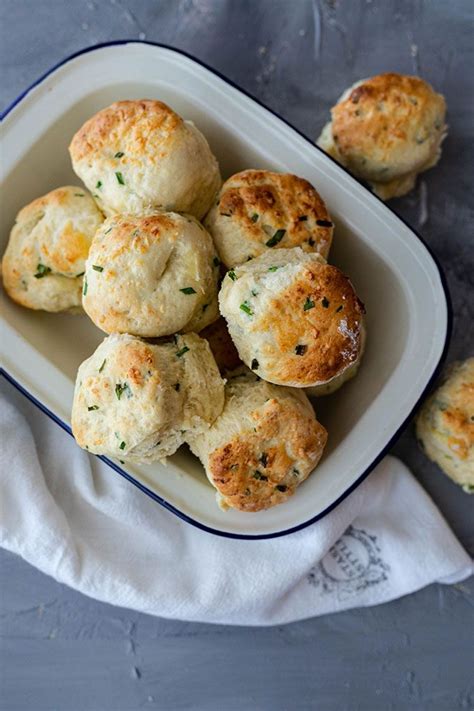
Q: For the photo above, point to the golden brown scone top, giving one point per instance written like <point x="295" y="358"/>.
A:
<point x="134" y="119"/>
<point x="254" y="470"/>
<point x="317" y="324"/>
<point x="389" y="125"/>
<point x="263" y="202"/>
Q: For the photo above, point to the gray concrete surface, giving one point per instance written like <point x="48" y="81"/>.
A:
<point x="61" y="651"/>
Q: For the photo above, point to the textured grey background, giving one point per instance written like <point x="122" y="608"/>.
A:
<point x="60" y="650"/>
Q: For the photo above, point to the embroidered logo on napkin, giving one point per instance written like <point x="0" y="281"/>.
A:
<point x="351" y="565"/>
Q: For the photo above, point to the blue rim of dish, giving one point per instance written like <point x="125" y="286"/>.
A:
<point x="399" y="430"/>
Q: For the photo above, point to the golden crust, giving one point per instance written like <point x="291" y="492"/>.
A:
<point x="445" y="425"/>
<point x="389" y="125"/>
<point x="132" y="120"/>
<point x="222" y="345"/>
<point x="45" y="258"/>
<point x="313" y="345"/>
<point x="254" y="204"/>
<point x="256" y="470"/>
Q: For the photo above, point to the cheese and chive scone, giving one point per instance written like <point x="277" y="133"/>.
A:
<point x="294" y="319"/>
<point x="264" y="444"/>
<point x="44" y="262"/>
<point x="136" y="401"/>
<point x="386" y="130"/>
<point x="140" y="155"/>
<point x="445" y="425"/>
<point x="151" y="275"/>
<point x="258" y="210"/>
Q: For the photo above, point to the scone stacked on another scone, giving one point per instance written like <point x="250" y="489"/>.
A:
<point x="264" y="444"/>
<point x="140" y="155"/>
<point x="294" y="319"/>
<point x="386" y="130"/>
<point x="44" y="262"/>
<point x="136" y="401"/>
<point x="258" y="210"/>
<point x="151" y="275"/>
<point x="445" y="425"/>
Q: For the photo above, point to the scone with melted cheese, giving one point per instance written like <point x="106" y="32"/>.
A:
<point x="262" y="447"/>
<point x="151" y="275"/>
<point x="258" y="210"/>
<point x="136" y="401"/>
<point x="386" y="130"/>
<point x="44" y="262"/>
<point x="445" y="425"/>
<point x="140" y="155"/>
<point x="294" y="319"/>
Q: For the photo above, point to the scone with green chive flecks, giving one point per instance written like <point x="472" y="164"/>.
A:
<point x="264" y="444"/>
<point x="140" y="155"/>
<point x="151" y="275"/>
<point x="135" y="401"/>
<point x="294" y="319"/>
<point x="44" y="263"/>
<point x="445" y="425"/>
<point x="258" y="210"/>
<point x="386" y="130"/>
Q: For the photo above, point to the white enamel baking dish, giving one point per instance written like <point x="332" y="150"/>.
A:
<point x="394" y="274"/>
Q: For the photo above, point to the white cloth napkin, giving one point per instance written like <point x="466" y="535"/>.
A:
<point x="75" y="519"/>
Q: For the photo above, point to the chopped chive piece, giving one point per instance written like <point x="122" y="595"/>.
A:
<point x="325" y="302"/>
<point x="216" y="262"/>
<point x="120" y="179"/>
<point x="281" y="487"/>
<point x="249" y="258"/>
<point x="122" y="445"/>
<point x="102" y="366"/>
<point x="98" y="185"/>
<point x="264" y="459"/>
<point x="188" y="290"/>
<point x="84" y="288"/>
<point x="226" y="214"/>
<point x="204" y="307"/>
<point x="177" y="387"/>
<point x="254" y="292"/>
<point x="107" y="231"/>
<point x="259" y="475"/>
<point x="96" y="268"/>
<point x="308" y="304"/>
<point x="273" y="269"/>
<point x="255" y="364"/>
<point x="135" y="233"/>
<point x="79" y="275"/>
<point x="42" y="271"/>
<point x="311" y="242"/>
<point x="119" y="154"/>
<point x="339" y="308"/>
<point x="246" y="307"/>
<point x="324" y="223"/>
<point x="120" y="389"/>
<point x="93" y="407"/>
<point x="231" y="275"/>
<point x="301" y="349"/>
<point x="182" y="351"/>
<point x="78" y="194"/>
<point x="254" y="217"/>
<point x="302" y="218"/>
<point x="295" y="471"/>
<point x="277" y="237"/>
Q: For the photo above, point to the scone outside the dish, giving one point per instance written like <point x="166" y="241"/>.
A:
<point x="258" y="210"/>
<point x="140" y="155"/>
<point x="262" y="447"/>
<point x="445" y="425"/>
<point x="294" y="319"/>
<point x="151" y="275"/>
<point x="386" y="130"/>
<point x="44" y="261"/>
<point x="134" y="400"/>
